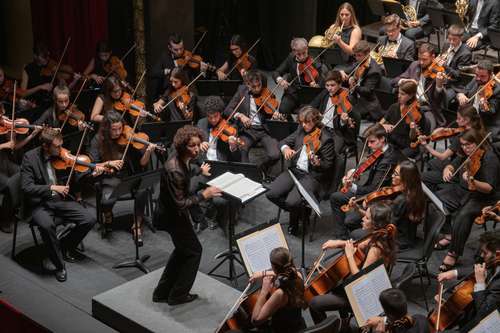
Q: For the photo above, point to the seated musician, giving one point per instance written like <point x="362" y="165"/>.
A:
<point x="238" y="51"/>
<point x="311" y="165"/>
<point x="422" y="26"/>
<point x="486" y="293"/>
<point x="104" y="63"/>
<point x="282" y="308"/>
<point x="170" y="60"/>
<point x="475" y="188"/>
<point x="379" y="244"/>
<point x="397" y="319"/>
<point x="490" y="213"/>
<point x="350" y="34"/>
<point x="487" y="101"/>
<point x="363" y="80"/>
<point x="342" y="126"/>
<point x="383" y="159"/>
<point x="184" y="106"/>
<point x="36" y="75"/>
<point x="404" y="121"/>
<point x="288" y="70"/>
<point x="395" y="44"/>
<point x="106" y="150"/>
<point x="429" y="90"/>
<point x="481" y="17"/>
<point x="253" y="127"/>
<point x="46" y="199"/>
<point x="7" y="90"/>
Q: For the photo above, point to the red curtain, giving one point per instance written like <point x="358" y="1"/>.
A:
<point x="85" y="21"/>
<point x="13" y="320"/>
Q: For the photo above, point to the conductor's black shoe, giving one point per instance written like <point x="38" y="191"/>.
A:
<point x="157" y="299"/>
<point x="186" y="299"/>
<point x="61" y="275"/>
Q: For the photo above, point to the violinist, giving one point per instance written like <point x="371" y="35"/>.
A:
<point x="489" y="212"/>
<point x="486" y="276"/>
<point x="36" y="75"/>
<point x="105" y="150"/>
<point x="252" y="124"/>
<point x="238" y="55"/>
<point x="311" y="151"/>
<point x="104" y="63"/>
<point x="45" y="196"/>
<point x="402" y="132"/>
<point x="476" y="187"/>
<point x="484" y="94"/>
<point x="382" y="160"/>
<point x="346" y="31"/>
<point x="394" y="44"/>
<point x="288" y="70"/>
<point x="184" y="106"/>
<point x="380" y="244"/>
<point x="6" y="91"/>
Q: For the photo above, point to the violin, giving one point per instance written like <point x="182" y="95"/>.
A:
<point x="439" y="134"/>
<point x="115" y="65"/>
<point x="73" y="116"/>
<point x="312" y="141"/>
<point x="481" y="219"/>
<point x="133" y="106"/>
<point x="224" y="131"/>
<point x="21" y="126"/>
<point x="49" y="69"/>
<point x="182" y="100"/>
<point x="362" y="68"/>
<point x="243" y="63"/>
<point x="432" y="70"/>
<point x="66" y="160"/>
<point x="139" y="140"/>
<point x="473" y="166"/>
<point x="7" y="90"/>
<point x="370" y="160"/>
<point x="411" y="112"/>
<point x="266" y="101"/>
<point x="382" y="193"/>
<point x="342" y="100"/>
<point x="486" y="93"/>
<point x="310" y="73"/>
<point x="193" y="61"/>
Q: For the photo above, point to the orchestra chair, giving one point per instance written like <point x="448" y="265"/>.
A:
<point x="330" y="325"/>
<point x="406" y="275"/>
<point x="494" y="44"/>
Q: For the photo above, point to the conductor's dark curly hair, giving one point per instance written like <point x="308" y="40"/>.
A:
<point x="183" y="135"/>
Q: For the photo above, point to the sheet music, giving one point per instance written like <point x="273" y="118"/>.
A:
<point x="489" y="324"/>
<point x="363" y="294"/>
<point x="225" y="180"/>
<point x="307" y="197"/>
<point x="237" y="185"/>
<point x="439" y="204"/>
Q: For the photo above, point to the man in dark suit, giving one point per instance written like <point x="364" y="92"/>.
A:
<point x="395" y="44"/>
<point x="44" y="197"/>
<point x="422" y="26"/>
<point x="288" y="71"/>
<point x="486" y="295"/>
<point x="482" y="15"/>
<point x="253" y="127"/>
<point x="310" y="166"/>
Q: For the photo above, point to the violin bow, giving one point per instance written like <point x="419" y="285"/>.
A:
<point x="60" y="60"/>
<point x="138" y="84"/>
<point x="230" y="116"/>
<point x="121" y="59"/>
<point x="234" y="307"/>
<point x="440" y="300"/>
<point x="494" y="78"/>
<point x="72" y="171"/>
<point x="13" y="114"/>
<point x="130" y="139"/>
<point x="178" y="94"/>
<point x="199" y="42"/>
<point x="68" y="110"/>
<point x="362" y="61"/>
<point x="472" y="153"/>
<point x="246" y="53"/>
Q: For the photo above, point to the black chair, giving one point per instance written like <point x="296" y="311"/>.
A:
<point x="422" y="251"/>
<point x="494" y="36"/>
<point x="406" y="275"/>
<point x="329" y="325"/>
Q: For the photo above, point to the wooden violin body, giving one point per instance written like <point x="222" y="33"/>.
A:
<point x="115" y="66"/>
<point x="193" y="61"/>
<point x="66" y="160"/>
<point x="312" y="141"/>
<point x="363" y="167"/>
<point x="308" y="71"/>
<point x="139" y="140"/>
<point x="481" y="219"/>
<point x="224" y="131"/>
<point x="22" y="126"/>
<point x="383" y="193"/>
<point x="440" y="134"/>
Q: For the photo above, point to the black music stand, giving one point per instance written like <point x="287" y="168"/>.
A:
<point x="281" y="129"/>
<point x="250" y="170"/>
<point x="385" y="98"/>
<point x="394" y="66"/>
<point x="331" y="57"/>
<point x="394" y="8"/>
<point x="225" y="88"/>
<point x="169" y="130"/>
<point x="376" y="7"/>
<point x="132" y="185"/>
<point x="307" y="94"/>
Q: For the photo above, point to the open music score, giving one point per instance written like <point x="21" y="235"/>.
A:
<point x="488" y="324"/>
<point x="238" y="186"/>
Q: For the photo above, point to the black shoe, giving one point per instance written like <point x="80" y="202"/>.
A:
<point x="157" y="299"/>
<point x="72" y="256"/>
<point x="293" y="229"/>
<point x="186" y="299"/>
<point x="61" y="275"/>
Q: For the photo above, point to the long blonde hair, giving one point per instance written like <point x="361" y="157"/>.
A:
<point x="350" y="8"/>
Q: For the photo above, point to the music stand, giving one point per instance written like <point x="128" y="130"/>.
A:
<point x="307" y="94"/>
<point x="169" y="130"/>
<point x="281" y="129"/>
<point x="132" y="185"/>
<point x="394" y="66"/>
<point x="394" y="8"/>
<point x="376" y="7"/>
<point x="331" y="57"/>
<point x="250" y="170"/>
<point x="386" y="99"/>
<point x="225" y="88"/>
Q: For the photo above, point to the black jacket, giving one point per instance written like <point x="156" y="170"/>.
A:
<point x="288" y="70"/>
<point x="406" y="49"/>
<point x="223" y="151"/>
<point x="488" y="18"/>
<point x="490" y="117"/>
<point x="463" y="57"/>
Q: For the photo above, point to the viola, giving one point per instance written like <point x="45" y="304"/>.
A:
<point x="473" y="166"/>
<point x="133" y="106"/>
<point x="344" y="105"/>
<point x="266" y="101"/>
<point x="182" y="99"/>
<point x="139" y="140"/>
<point x="370" y="160"/>
<point x="193" y="61"/>
<point x="115" y="65"/>
<point x="66" y="160"/>
<point x="224" y="131"/>
<point x="382" y="193"/>
<point x="22" y="126"/>
<point x="312" y="141"/>
<point x="439" y="134"/>
<point x="481" y="219"/>
<point x="310" y="73"/>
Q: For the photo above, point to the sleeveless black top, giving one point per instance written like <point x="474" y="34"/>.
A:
<point x="345" y="35"/>
<point x="35" y="78"/>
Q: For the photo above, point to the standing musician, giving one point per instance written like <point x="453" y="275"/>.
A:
<point x="107" y="148"/>
<point x="404" y="121"/>
<point x="104" y="63"/>
<point x="289" y="69"/>
<point x="45" y="197"/>
<point x="36" y="75"/>
<point x="382" y="160"/>
<point x="252" y="124"/>
<point x="174" y="203"/>
<point x="482" y="15"/>
<point x="184" y="106"/>
<point x="380" y="244"/>
<point x="346" y="31"/>
<point x="430" y="84"/>
<point x="312" y="153"/>
<point x="340" y="118"/>
<point x="238" y="57"/>
<point x="476" y="188"/>
<point x="484" y="94"/>
<point x="486" y="277"/>
<point x="395" y="44"/>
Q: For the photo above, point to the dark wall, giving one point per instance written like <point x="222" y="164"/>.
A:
<point x="327" y="11"/>
<point x="121" y="32"/>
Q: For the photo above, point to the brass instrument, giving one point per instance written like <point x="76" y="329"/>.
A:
<point x="411" y="15"/>
<point x="388" y="50"/>
<point x="326" y="41"/>
<point x="444" y="56"/>
<point x="461" y="7"/>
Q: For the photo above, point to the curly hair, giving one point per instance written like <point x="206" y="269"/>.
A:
<point x="213" y="104"/>
<point x="184" y="135"/>
<point x="286" y="275"/>
<point x="109" y="149"/>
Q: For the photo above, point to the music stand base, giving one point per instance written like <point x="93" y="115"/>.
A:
<point x="137" y="263"/>
<point x="232" y="258"/>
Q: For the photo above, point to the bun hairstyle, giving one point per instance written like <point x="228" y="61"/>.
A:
<point x="287" y="277"/>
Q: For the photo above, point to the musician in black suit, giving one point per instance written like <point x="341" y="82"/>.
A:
<point x="481" y="15"/>
<point x="45" y="200"/>
<point x="288" y="70"/>
<point x="309" y="164"/>
<point x="486" y="295"/>
<point x="253" y="127"/>
<point x="422" y="26"/>
<point x="173" y="215"/>
<point x="395" y="44"/>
